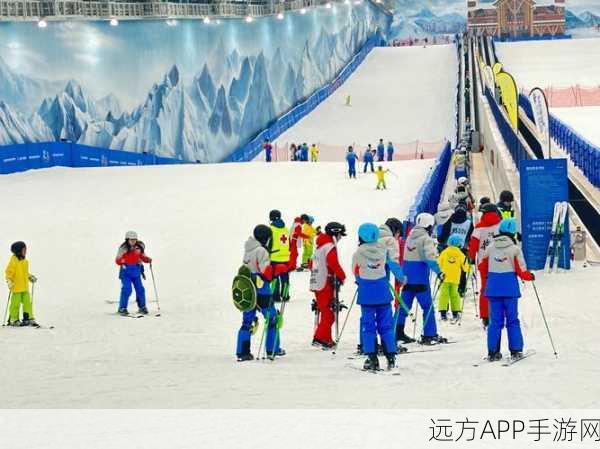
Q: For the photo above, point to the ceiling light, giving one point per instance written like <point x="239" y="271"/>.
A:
<point x="114" y="22"/>
<point x="280" y="16"/>
<point x="206" y="20"/>
<point x="303" y="11"/>
<point x="249" y="19"/>
<point x="42" y="23"/>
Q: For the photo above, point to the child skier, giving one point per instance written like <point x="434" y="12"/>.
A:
<point x="314" y="153"/>
<point x="380" y="173"/>
<point x="280" y="255"/>
<point x="420" y="257"/>
<point x="256" y="259"/>
<point x="351" y="158"/>
<point x="130" y="256"/>
<point x="308" y="239"/>
<point x="18" y="278"/>
<point x="481" y="238"/>
<point x="453" y="263"/>
<point x="502" y="263"/>
<point x="326" y="276"/>
<point x="374" y="297"/>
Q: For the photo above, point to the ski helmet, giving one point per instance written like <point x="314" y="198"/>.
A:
<point x="395" y="225"/>
<point x="263" y="234"/>
<point x="131" y="235"/>
<point x="304" y="217"/>
<point x="460" y="212"/>
<point x="368" y="233"/>
<point x="489" y="207"/>
<point x="17" y="248"/>
<point x="462" y="180"/>
<point x="424" y="220"/>
<point x="274" y="215"/>
<point x="444" y="205"/>
<point x="335" y="229"/>
<point x="484" y="200"/>
<point x="506" y="196"/>
<point x="455" y="240"/>
<point x="508" y="226"/>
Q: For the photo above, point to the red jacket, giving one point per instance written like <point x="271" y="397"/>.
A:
<point x="333" y="265"/>
<point x="488" y="220"/>
<point x="132" y="258"/>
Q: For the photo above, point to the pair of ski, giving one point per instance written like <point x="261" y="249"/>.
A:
<point x="510" y="361"/>
<point x="556" y="247"/>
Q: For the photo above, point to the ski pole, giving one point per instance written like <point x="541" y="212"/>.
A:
<point x="155" y="290"/>
<point x="544" y="317"/>
<point x="262" y="335"/>
<point x="475" y="288"/>
<point x="337" y="341"/>
<point x="5" y="321"/>
<point x="416" y="315"/>
<point x="336" y="301"/>
<point x="278" y="325"/>
<point x="437" y="289"/>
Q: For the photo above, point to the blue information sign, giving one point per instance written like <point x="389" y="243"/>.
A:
<point x="543" y="183"/>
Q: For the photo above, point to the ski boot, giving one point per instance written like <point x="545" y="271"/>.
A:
<point x="443" y="315"/>
<point x="401" y="336"/>
<point x="143" y="310"/>
<point x="372" y="363"/>
<point x="391" y="361"/>
<point x="123" y="312"/>
<point x="245" y="357"/>
<point x="494" y="356"/>
<point x="15" y="323"/>
<point x="485" y="322"/>
<point x="516" y="355"/>
<point x="428" y="341"/>
<point x="322" y="344"/>
<point x="279" y="353"/>
<point x="26" y="321"/>
<point x="359" y="350"/>
<point x="455" y="317"/>
<point x="400" y="349"/>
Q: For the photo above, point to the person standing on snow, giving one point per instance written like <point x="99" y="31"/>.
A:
<point x="380" y="151"/>
<point x="481" y="239"/>
<point x="369" y="265"/>
<point x="314" y="153"/>
<point x="268" y="150"/>
<point x="461" y="225"/>
<point x="280" y="255"/>
<point x="130" y="256"/>
<point x="256" y="259"/>
<point x="390" y="152"/>
<point x="308" y="240"/>
<point x="296" y="239"/>
<point x="304" y="152"/>
<point x="502" y="264"/>
<point x="505" y="205"/>
<point x="420" y="257"/>
<point x="351" y="158"/>
<point x="368" y="159"/>
<point x="453" y="263"/>
<point x="380" y="173"/>
<point x="326" y="276"/>
<point x="18" y="279"/>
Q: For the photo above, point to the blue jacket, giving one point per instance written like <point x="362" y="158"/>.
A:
<point x="390" y="149"/>
<point x="304" y="153"/>
<point x="380" y="150"/>
<point x="420" y="256"/>
<point x="351" y="158"/>
<point x="368" y="157"/>
<point x="369" y="264"/>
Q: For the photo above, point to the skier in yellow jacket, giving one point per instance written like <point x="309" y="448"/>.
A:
<point x="452" y="262"/>
<point x="314" y="153"/>
<point x="18" y="278"/>
<point x="380" y="173"/>
<point x="308" y="242"/>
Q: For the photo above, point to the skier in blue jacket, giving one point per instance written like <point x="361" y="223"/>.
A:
<point x="369" y="265"/>
<point x="304" y="152"/>
<point x="380" y="151"/>
<point x="351" y="158"/>
<point x="420" y="257"/>
<point x="368" y="159"/>
<point x="390" y="151"/>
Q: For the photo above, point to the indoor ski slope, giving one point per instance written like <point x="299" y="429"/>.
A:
<point x="560" y="63"/>
<point x="400" y="94"/>
<point x="195" y="220"/>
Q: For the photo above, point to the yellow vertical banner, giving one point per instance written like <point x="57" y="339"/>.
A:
<point x="497" y="68"/>
<point x="508" y="90"/>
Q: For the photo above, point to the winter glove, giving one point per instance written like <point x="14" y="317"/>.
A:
<point x="32" y="279"/>
<point x="313" y="305"/>
<point x="149" y="260"/>
<point x="528" y="276"/>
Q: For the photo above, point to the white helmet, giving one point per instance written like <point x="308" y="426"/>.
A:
<point x="131" y="235"/>
<point x="462" y="180"/>
<point x="424" y="220"/>
<point x="444" y="205"/>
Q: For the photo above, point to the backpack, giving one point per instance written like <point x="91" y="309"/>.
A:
<point x="243" y="290"/>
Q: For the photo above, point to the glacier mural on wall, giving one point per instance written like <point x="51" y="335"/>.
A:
<point x="190" y="90"/>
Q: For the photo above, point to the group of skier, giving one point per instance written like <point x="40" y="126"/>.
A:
<point x="446" y="246"/>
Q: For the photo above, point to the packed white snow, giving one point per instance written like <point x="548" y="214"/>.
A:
<point x="559" y="63"/>
<point x="194" y="221"/>
<point x="584" y="120"/>
<point x="399" y="94"/>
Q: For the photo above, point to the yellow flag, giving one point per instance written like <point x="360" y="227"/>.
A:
<point x="497" y="68"/>
<point x="508" y="90"/>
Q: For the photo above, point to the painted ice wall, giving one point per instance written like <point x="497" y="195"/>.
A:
<point x="188" y="90"/>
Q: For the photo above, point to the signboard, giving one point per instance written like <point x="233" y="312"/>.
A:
<point x="543" y="183"/>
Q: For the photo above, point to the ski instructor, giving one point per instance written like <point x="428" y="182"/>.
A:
<point x="129" y="258"/>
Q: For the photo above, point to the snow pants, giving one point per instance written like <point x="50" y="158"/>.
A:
<point x="273" y="338"/>
<point x="504" y="313"/>
<point x="376" y="320"/>
<point x="449" y="296"/>
<point x="307" y="251"/>
<point x="131" y="275"/>
<point x="390" y="156"/>
<point x="483" y="301"/>
<point x="423" y="295"/>
<point x="381" y="184"/>
<point x="372" y="166"/>
<point x="326" y="316"/>
<point x="282" y="287"/>
<point x="352" y="170"/>
<point x="16" y="299"/>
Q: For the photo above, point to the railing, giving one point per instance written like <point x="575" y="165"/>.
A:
<point x="29" y="156"/>
<point x="429" y="195"/>
<point x="251" y="149"/>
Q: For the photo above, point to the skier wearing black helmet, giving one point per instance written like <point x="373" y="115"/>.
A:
<point x="280" y="256"/>
<point x="505" y="205"/>
<point x="18" y="279"/>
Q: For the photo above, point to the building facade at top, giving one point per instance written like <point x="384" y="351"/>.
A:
<point x="514" y="18"/>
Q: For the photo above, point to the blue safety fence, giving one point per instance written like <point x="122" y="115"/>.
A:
<point x="251" y="149"/>
<point x="545" y="37"/>
<point x="29" y="156"/>
<point x="509" y="136"/>
<point x="429" y="195"/>
<point x="585" y="155"/>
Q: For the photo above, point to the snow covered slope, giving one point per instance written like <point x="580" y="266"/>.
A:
<point x="552" y="63"/>
<point x="584" y="120"/>
<point x="398" y="94"/>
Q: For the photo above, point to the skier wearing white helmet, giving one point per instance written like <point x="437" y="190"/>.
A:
<point x="130" y="257"/>
<point x="420" y="256"/>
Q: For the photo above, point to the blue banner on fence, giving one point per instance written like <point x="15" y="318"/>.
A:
<point x="543" y="183"/>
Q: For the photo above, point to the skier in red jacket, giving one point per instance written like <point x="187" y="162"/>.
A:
<point x="296" y="236"/>
<point x="481" y="239"/>
<point x="326" y="276"/>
